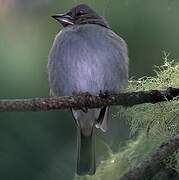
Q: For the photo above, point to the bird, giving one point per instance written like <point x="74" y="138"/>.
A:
<point x="87" y="56"/>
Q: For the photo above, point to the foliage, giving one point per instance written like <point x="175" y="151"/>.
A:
<point x="152" y="124"/>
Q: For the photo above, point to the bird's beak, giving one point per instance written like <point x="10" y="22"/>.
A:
<point x="64" y="19"/>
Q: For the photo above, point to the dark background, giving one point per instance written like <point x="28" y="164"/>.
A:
<point x="43" y="145"/>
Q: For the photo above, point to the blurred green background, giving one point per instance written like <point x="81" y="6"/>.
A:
<point x="43" y="145"/>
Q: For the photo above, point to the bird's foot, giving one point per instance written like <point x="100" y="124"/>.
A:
<point x="104" y="94"/>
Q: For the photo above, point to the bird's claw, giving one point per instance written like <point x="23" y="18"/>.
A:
<point x="104" y="94"/>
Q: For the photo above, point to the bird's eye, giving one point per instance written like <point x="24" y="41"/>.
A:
<point x="80" y="12"/>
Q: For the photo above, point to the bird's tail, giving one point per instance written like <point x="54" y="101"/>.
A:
<point x="86" y="153"/>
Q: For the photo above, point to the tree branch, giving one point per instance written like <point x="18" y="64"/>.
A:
<point x="154" y="163"/>
<point x="86" y="100"/>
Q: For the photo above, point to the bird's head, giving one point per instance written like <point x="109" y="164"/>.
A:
<point x="81" y="14"/>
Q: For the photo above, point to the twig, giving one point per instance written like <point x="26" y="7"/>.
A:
<point x="154" y="163"/>
<point x="86" y="100"/>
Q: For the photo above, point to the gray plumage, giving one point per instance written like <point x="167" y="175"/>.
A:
<point x="87" y="58"/>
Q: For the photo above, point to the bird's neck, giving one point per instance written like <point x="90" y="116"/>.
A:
<point x="100" y="22"/>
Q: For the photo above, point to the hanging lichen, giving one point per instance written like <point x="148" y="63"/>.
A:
<point x="154" y="124"/>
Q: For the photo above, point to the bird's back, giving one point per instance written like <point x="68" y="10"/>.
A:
<point x="87" y="58"/>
